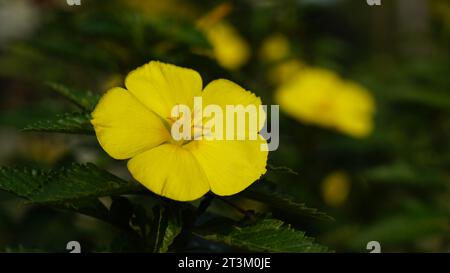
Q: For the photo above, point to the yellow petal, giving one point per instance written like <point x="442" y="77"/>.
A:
<point x="223" y="92"/>
<point x="357" y="108"/>
<point x="161" y="86"/>
<point x="230" y="166"/>
<point x="230" y="49"/>
<point x="124" y="127"/>
<point x="284" y="71"/>
<point x="336" y="188"/>
<point x="310" y="96"/>
<point x="275" y="48"/>
<point x="171" y="171"/>
<point x="321" y="97"/>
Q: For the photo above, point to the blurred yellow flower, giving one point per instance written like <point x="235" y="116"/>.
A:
<point x="132" y="123"/>
<point x="275" y="48"/>
<point x="284" y="71"/>
<point x="44" y="149"/>
<point x="335" y="188"/>
<point x="321" y="97"/>
<point x="229" y="48"/>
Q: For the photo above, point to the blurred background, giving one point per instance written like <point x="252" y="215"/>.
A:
<point x="379" y="162"/>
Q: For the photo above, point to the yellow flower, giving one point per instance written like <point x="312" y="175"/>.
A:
<point x="275" y="48"/>
<point x="229" y="48"/>
<point x="321" y="97"/>
<point x="44" y="149"/>
<point x="336" y="188"/>
<point x="134" y="123"/>
<point x="284" y="71"/>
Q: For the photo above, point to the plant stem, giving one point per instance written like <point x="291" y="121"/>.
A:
<point x="236" y="207"/>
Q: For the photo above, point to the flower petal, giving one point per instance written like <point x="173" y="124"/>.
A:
<point x="224" y="92"/>
<point x="357" y="108"/>
<point x="171" y="171"/>
<point x="230" y="49"/>
<point x="230" y="166"/>
<point x="124" y="127"/>
<point x="161" y="86"/>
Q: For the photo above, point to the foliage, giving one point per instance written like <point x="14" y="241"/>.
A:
<point x="266" y="235"/>
<point x="53" y="77"/>
<point x="78" y="188"/>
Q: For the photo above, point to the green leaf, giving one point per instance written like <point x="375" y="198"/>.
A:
<point x="165" y="228"/>
<point x="266" y="235"/>
<point x="64" y="185"/>
<point x="69" y="123"/>
<point x="27" y="182"/>
<point x="23" y="182"/>
<point x="173" y="229"/>
<point x="86" y="100"/>
<point x="283" y="203"/>
<point x="90" y="207"/>
<point x="82" y="181"/>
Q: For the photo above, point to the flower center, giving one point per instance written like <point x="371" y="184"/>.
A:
<point x="194" y="130"/>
